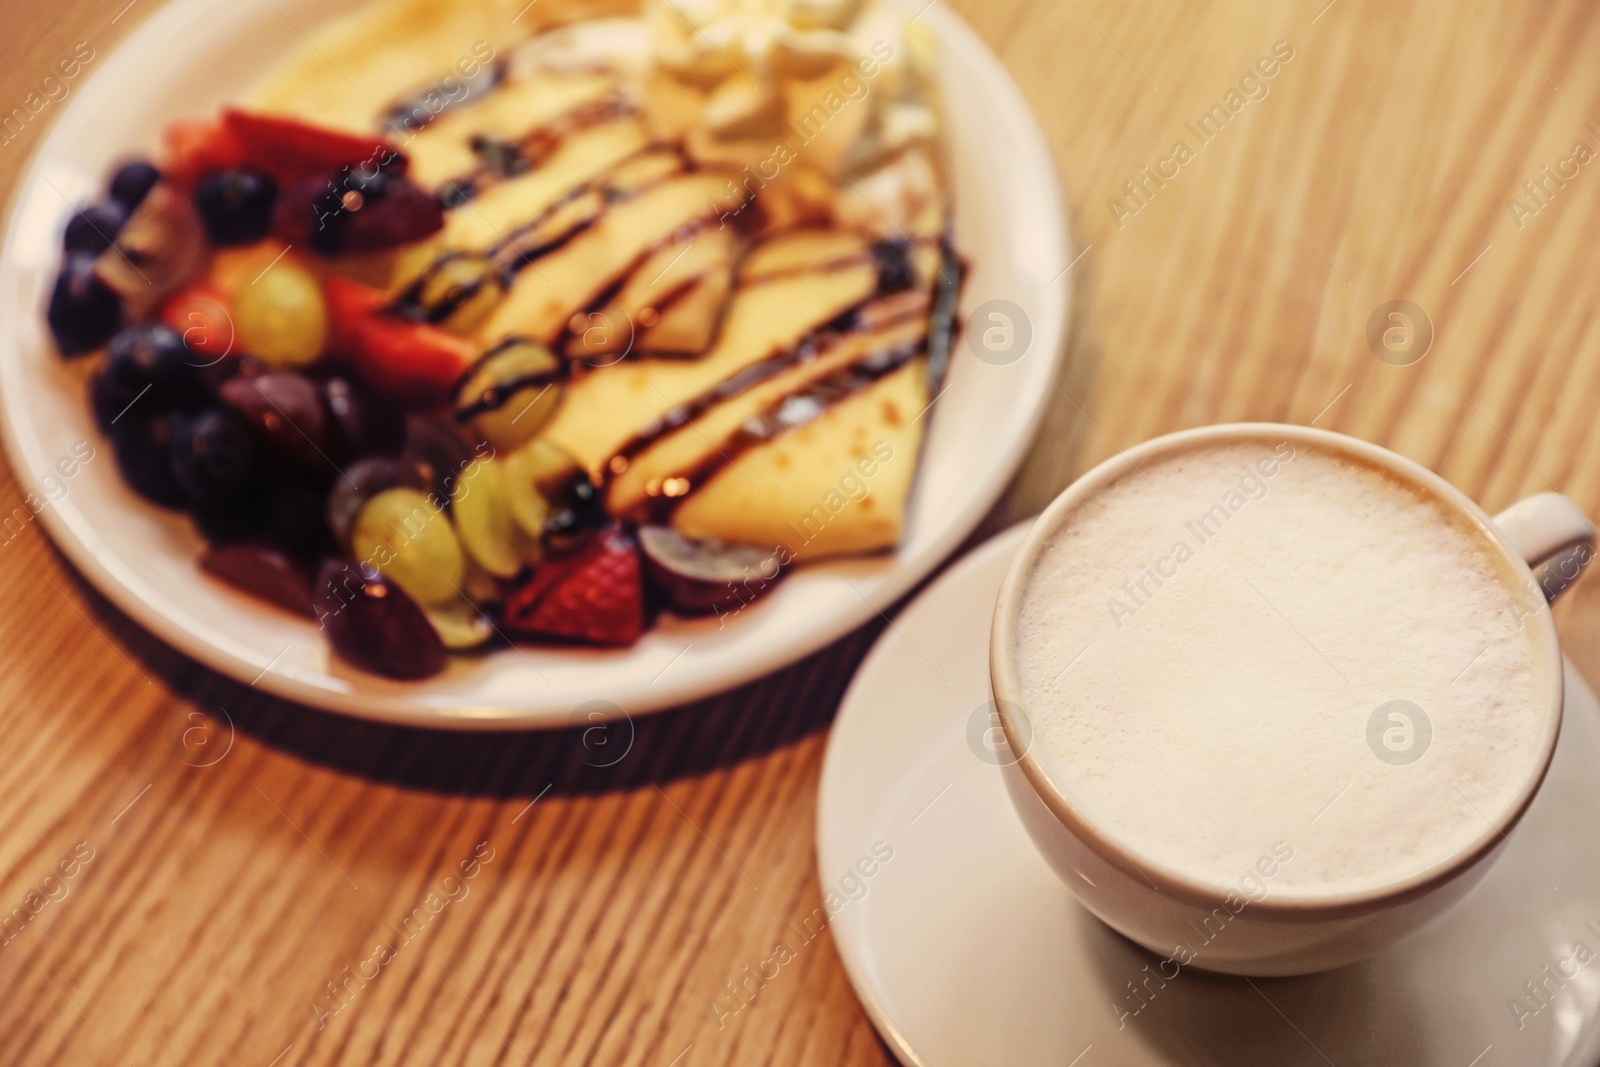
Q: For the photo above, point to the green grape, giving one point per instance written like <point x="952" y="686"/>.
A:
<point x="483" y="519"/>
<point x="511" y="393"/>
<point x="281" y="317"/>
<point x="519" y="482"/>
<point x="458" y="290"/>
<point x="479" y="585"/>
<point x="459" y="624"/>
<point x="551" y="467"/>
<point x="415" y="546"/>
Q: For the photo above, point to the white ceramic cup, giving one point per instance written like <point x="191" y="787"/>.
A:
<point x="1275" y="937"/>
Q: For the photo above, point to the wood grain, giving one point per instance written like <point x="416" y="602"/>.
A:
<point x="611" y="904"/>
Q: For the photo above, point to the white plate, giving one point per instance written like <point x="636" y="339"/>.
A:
<point x="192" y="55"/>
<point x="966" y="949"/>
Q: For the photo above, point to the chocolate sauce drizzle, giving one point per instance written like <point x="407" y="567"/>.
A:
<point x="496" y="396"/>
<point x="806" y="350"/>
<point x="413" y="114"/>
<point x="791" y="412"/>
<point x="796" y="409"/>
<point x="514" y="256"/>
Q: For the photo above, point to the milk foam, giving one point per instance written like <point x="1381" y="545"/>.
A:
<point x="1201" y="648"/>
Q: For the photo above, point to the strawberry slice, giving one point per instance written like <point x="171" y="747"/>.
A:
<point x="595" y="596"/>
<point x="348" y="302"/>
<point x="289" y="150"/>
<point x="201" y="315"/>
<point x="196" y="148"/>
<point x="314" y="213"/>
<point x="410" y="361"/>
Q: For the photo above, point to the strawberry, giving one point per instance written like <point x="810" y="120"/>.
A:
<point x="410" y="361"/>
<point x="196" y="148"/>
<point x="595" y="595"/>
<point x="290" y="150"/>
<point x="285" y="149"/>
<point x="201" y="315"/>
<point x="390" y="212"/>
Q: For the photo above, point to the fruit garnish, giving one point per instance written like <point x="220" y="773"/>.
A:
<point x="575" y="514"/>
<point x="91" y="229"/>
<point x="346" y="211"/>
<point x="484" y="522"/>
<point x="235" y="206"/>
<point x="435" y="455"/>
<point x="409" y="361"/>
<point x="281" y="316"/>
<point x="158" y="251"/>
<point x="213" y="455"/>
<point x="148" y="369"/>
<point x="360" y="482"/>
<point x="412" y="542"/>
<point x="196" y="148"/>
<point x="457" y="290"/>
<point x="511" y="393"/>
<point x="349" y="302"/>
<point x="372" y="623"/>
<point x="262" y="571"/>
<point x="288" y="150"/>
<point x="519" y="482"/>
<point x="286" y="410"/>
<point x="594" y="595"/>
<point x="132" y="183"/>
<point x="201" y="316"/>
<point x="142" y="443"/>
<point x="361" y="424"/>
<point x="550" y="467"/>
<point x="701" y="577"/>
<point x="460" y="624"/>
<point x="295" y="504"/>
<point x="84" y="311"/>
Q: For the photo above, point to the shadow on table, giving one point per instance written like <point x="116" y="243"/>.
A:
<point x="589" y="758"/>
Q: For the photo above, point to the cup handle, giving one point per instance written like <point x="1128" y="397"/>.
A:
<point x="1553" y="535"/>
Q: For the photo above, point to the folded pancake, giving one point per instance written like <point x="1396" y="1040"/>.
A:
<point x="729" y="219"/>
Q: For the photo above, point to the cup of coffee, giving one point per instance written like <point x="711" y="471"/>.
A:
<point x="1274" y="697"/>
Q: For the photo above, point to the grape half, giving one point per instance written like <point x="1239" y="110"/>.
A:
<point x="484" y="520"/>
<point x="413" y="543"/>
<point x="281" y="316"/>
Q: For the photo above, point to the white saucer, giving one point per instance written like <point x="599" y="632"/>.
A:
<point x="966" y="949"/>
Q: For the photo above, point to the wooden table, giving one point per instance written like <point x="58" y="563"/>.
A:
<point x="1381" y="162"/>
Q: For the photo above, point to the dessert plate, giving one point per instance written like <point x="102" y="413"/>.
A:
<point x="966" y="948"/>
<point x="189" y="57"/>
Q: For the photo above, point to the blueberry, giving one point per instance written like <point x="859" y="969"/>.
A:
<point x="236" y="206"/>
<point x="133" y="182"/>
<point x="213" y="455"/>
<point x="109" y="401"/>
<point x="371" y="184"/>
<point x="148" y="363"/>
<point x="576" y="513"/>
<point x="91" y="230"/>
<point x="142" y="442"/>
<point x="236" y="519"/>
<point x="84" y="311"/>
<point x="296" y="508"/>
